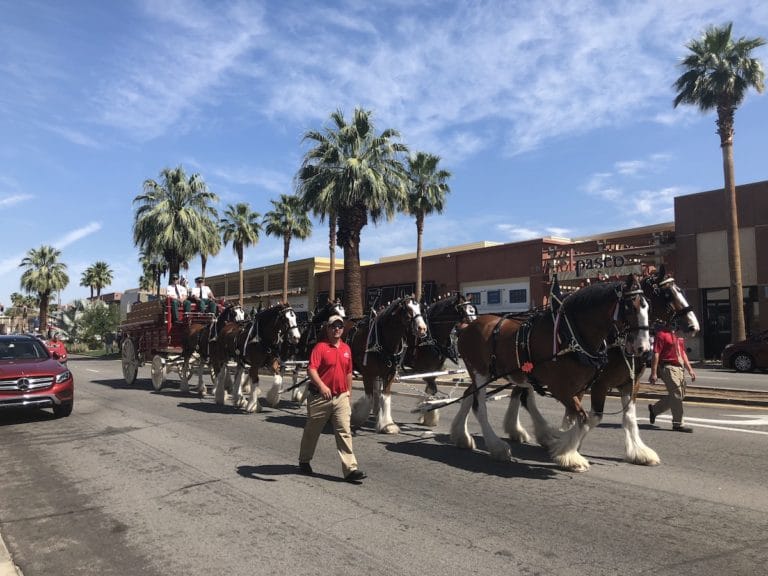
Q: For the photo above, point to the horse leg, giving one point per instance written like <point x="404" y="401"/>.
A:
<point x="498" y="449"/>
<point x="460" y="435"/>
<point x="273" y="396"/>
<point x="565" y="448"/>
<point x="184" y="386"/>
<point x="219" y="392"/>
<point x="252" y="376"/>
<point x="431" y="418"/>
<point x="361" y="409"/>
<point x="545" y="434"/>
<point x="512" y="424"/>
<point x="237" y="388"/>
<point x="384" y="422"/>
<point x="635" y="450"/>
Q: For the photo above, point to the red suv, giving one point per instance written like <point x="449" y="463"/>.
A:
<point x="31" y="378"/>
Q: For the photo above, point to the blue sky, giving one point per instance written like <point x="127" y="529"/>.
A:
<point x="555" y="118"/>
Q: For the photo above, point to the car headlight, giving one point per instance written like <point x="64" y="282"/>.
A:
<point x="63" y="377"/>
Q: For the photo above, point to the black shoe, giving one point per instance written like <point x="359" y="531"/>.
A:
<point x="681" y="428"/>
<point x="651" y="415"/>
<point x="305" y="468"/>
<point x="356" y="476"/>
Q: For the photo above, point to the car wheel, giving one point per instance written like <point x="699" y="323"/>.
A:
<point x="64" y="409"/>
<point x="743" y="362"/>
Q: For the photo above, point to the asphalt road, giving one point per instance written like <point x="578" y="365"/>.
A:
<point x="138" y="482"/>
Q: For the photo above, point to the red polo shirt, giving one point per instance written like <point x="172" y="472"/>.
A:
<point x="664" y="345"/>
<point x="332" y="363"/>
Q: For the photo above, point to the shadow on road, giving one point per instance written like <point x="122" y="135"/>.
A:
<point x="138" y="384"/>
<point x="11" y="416"/>
<point x="262" y="472"/>
<point x="439" y="449"/>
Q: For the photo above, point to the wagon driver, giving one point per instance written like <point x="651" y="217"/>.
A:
<point x="203" y="296"/>
<point x="178" y="296"/>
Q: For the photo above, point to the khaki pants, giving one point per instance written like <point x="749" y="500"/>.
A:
<point x="319" y="411"/>
<point x="674" y="379"/>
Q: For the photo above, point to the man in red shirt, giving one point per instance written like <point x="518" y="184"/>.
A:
<point x="669" y="353"/>
<point x="330" y="370"/>
<point x="57" y="346"/>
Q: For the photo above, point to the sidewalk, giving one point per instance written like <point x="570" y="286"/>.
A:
<point x="7" y="567"/>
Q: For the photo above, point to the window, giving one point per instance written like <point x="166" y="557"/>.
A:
<point x="518" y="296"/>
<point x="494" y="296"/>
<point x="475" y="297"/>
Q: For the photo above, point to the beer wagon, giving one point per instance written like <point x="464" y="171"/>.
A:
<point x="149" y="335"/>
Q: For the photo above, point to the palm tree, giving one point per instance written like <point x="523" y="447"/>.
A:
<point x="102" y="276"/>
<point x="174" y="217"/>
<point x="718" y="73"/>
<point x="153" y="267"/>
<point x="43" y="276"/>
<point x="360" y="175"/>
<point x="426" y="195"/>
<point x="287" y="220"/>
<point x="211" y="246"/>
<point x="241" y="227"/>
<point x="318" y="197"/>
<point x="86" y="280"/>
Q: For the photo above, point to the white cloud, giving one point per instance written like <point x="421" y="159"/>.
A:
<point x="78" y="234"/>
<point x="8" y="201"/>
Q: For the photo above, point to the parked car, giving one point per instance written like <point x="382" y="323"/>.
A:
<point x="746" y="355"/>
<point x="30" y="377"/>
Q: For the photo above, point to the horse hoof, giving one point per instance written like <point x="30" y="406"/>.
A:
<point x="573" y="463"/>
<point x="390" y="429"/>
<point x="464" y="442"/>
<point x="501" y="454"/>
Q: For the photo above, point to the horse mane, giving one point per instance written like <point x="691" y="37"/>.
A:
<point x="438" y="306"/>
<point x="592" y="295"/>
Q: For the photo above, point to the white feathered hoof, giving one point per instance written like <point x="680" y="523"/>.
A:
<point x="361" y="409"/>
<point x="390" y="428"/>
<point x="572" y="461"/>
<point x="519" y="436"/>
<point x="431" y="418"/>
<point x="463" y="441"/>
<point x="273" y="396"/>
<point x="643" y="457"/>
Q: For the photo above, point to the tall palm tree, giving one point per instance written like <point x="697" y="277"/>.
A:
<point x="102" y="276"/>
<point x="426" y="194"/>
<point x="287" y="220"/>
<point x="241" y="227"/>
<point x="317" y="196"/>
<point x="718" y="73"/>
<point x="153" y="266"/>
<point x="360" y="174"/>
<point x="211" y="246"/>
<point x="44" y="275"/>
<point x="174" y="216"/>
<point x="86" y="280"/>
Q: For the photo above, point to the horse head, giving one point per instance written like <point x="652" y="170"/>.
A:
<point x="467" y="308"/>
<point x="412" y="311"/>
<point x="331" y="308"/>
<point x="668" y="303"/>
<point x="289" y="323"/>
<point x="633" y="312"/>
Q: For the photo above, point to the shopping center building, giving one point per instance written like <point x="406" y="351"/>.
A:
<point x="515" y="277"/>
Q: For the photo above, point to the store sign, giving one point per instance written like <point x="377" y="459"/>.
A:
<point x="606" y="261"/>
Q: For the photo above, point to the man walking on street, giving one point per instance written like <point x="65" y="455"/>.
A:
<point x="669" y="354"/>
<point x="330" y="370"/>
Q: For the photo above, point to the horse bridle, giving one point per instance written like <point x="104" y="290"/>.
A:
<point x="625" y="303"/>
<point x="663" y="288"/>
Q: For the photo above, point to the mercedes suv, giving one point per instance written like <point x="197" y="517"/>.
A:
<point x="30" y="377"/>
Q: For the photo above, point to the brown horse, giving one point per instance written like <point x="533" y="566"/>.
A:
<point x="378" y="345"/>
<point x="445" y="317"/>
<point x="622" y="372"/>
<point x="560" y="352"/>
<point x="196" y="345"/>
<point x="253" y="345"/>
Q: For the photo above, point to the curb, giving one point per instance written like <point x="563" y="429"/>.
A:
<point x="7" y="567"/>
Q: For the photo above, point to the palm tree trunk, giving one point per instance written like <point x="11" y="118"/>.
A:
<point x="286" y="249"/>
<point x="332" y="250"/>
<point x="738" y="331"/>
<point x="203" y="262"/>
<point x="419" y="234"/>
<point x="44" y="312"/>
<point x="351" y="222"/>
<point x="240" y="269"/>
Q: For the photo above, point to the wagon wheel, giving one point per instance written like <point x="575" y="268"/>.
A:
<point x="130" y="361"/>
<point x="158" y="372"/>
